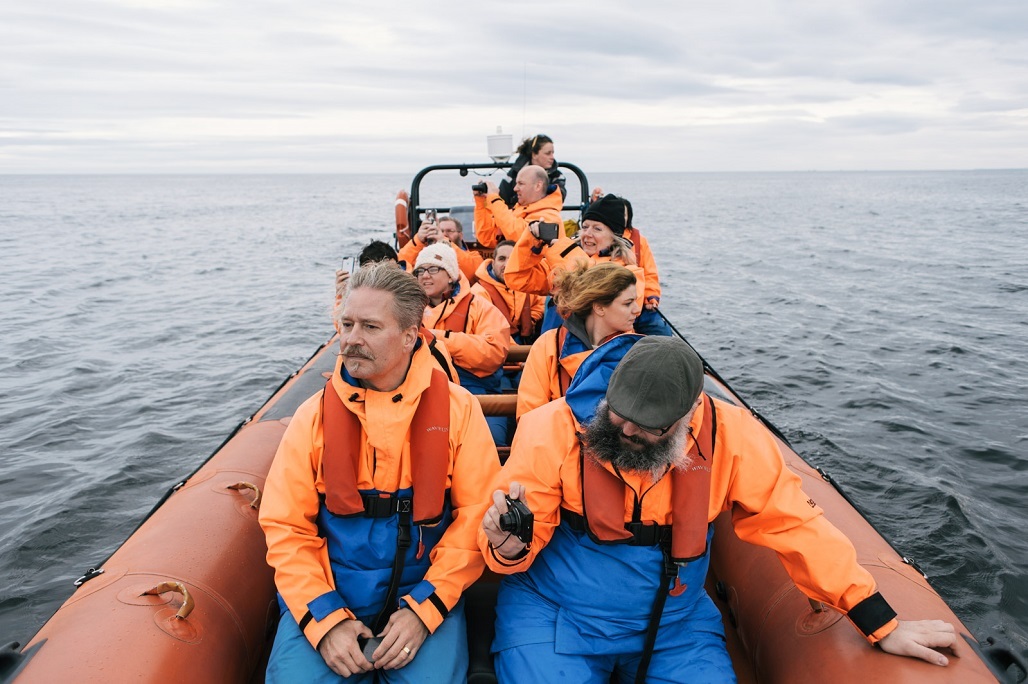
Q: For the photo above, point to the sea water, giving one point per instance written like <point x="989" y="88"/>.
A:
<point x="878" y="319"/>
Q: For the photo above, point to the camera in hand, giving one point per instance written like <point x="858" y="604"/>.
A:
<point x="518" y="520"/>
<point x="480" y="187"/>
<point x="548" y="231"/>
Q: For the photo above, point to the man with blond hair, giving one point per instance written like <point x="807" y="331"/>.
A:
<point x="371" y="506"/>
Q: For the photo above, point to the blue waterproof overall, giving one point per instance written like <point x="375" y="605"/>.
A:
<point x="362" y="551"/>
<point x="581" y="611"/>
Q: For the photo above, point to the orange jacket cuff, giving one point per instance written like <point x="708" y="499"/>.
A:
<point x="315" y="630"/>
<point x="425" y="611"/>
<point x="883" y="631"/>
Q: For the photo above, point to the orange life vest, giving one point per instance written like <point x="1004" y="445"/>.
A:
<point x="429" y="449"/>
<point x="603" y="497"/>
<point x="440" y="358"/>
<point x="457" y="321"/>
<point x="525" y="325"/>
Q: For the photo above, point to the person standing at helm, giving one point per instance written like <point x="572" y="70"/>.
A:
<point x="597" y="303"/>
<point x="538" y="200"/>
<point x="523" y="311"/>
<point x="474" y="332"/>
<point x="535" y="151"/>
<point x="366" y="540"/>
<point x="624" y="476"/>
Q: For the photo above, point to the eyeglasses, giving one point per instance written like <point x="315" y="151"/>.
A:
<point x="656" y="432"/>
<point x="422" y="270"/>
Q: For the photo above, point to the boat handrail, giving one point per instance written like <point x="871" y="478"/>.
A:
<point x="414" y="207"/>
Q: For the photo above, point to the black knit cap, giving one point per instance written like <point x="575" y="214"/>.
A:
<point x="656" y="382"/>
<point x="608" y="210"/>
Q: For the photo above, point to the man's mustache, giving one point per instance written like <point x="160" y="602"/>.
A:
<point x="355" y="351"/>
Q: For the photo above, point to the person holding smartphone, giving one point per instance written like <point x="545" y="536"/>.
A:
<point x="445" y="230"/>
<point x="538" y="255"/>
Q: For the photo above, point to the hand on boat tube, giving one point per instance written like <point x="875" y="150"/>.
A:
<point x="341" y="651"/>
<point x="401" y="640"/>
<point x="919" y="638"/>
<point x="504" y="543"/>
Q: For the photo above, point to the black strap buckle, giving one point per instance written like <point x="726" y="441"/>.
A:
<point x="376" y="506"/>
<point x="644" y="534"/>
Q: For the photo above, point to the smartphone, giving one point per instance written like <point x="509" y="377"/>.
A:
<point x="349" y="264"/>
<point x="430" y="215"/>
<point x="368" y="646"/>
<point x="548" y="231"/>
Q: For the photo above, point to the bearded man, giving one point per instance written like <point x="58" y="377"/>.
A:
<point x="624" y="475"/>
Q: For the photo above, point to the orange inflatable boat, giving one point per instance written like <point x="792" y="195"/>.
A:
<point x="189" y="597"/>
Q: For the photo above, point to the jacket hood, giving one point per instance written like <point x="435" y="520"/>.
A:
<point x="589" y="386"/>
<point x="484" y="272"/>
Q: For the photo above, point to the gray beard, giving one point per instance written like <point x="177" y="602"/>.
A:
<point x="604" y="441"/>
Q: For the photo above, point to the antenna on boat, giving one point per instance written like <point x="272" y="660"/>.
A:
<point x="500" y="145"/>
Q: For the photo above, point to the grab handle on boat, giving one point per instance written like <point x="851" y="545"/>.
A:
<point x="816" y="606"/>
<point x="256" y="503"/>
<point x="1006" y="665"/>
<point x="187" y="600"/>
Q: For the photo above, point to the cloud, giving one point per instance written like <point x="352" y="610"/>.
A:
<point x="143" y="84"/>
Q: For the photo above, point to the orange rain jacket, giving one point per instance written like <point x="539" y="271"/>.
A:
<point x="532" y="264"/>
<point x="748" y="478"/>
<point x="495" y="222"/>
<point x="514" y="301"/>
<point x="468" y="260"/>
<point x="482" y="346"/>
<point x="291" y="503"/>
<point x="644" y="255"/>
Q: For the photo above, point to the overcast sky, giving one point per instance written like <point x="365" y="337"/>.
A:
<point x="342" y="86"/>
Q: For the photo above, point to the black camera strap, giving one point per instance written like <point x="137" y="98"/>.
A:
<point x="403" y="541"/>
<point x="667" y="574"/>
